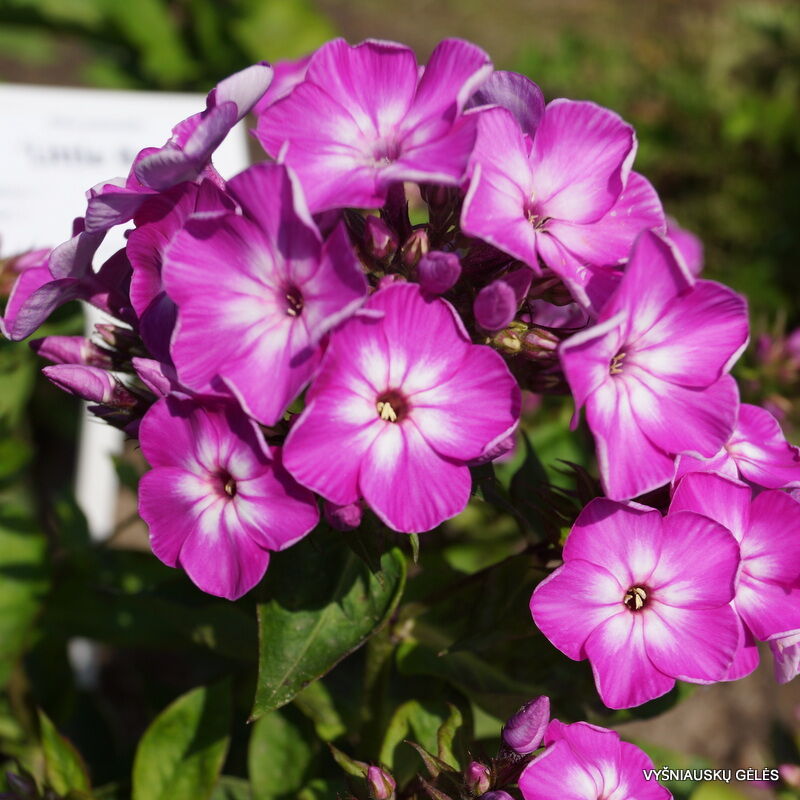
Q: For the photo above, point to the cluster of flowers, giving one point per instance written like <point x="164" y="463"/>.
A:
<point x="546" y="759"/>
<point x="542" y="262"/>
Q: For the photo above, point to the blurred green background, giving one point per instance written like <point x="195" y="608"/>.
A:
<point x="712" y="87"/>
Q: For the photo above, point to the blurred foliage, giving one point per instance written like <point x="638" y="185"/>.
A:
<point x="161" y="44"/>
<point x="380" y="646"/>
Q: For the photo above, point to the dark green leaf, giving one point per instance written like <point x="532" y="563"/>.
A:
<point x="181" y="754"/>
<point x="324" y="603"/>
<point x="280" y="755"/>
<point x="63" y="766"/>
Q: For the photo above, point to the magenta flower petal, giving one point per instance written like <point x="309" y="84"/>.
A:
<point x="433" y="488"/>
<point x="761" y="452"/>
<point x="708" y="414"/>
<point x="747" y="658"/>
<point x="589" y="762"/>
<point x="623" y="671"/>
<point x="690" y="643"/>
<point x="771" y="545"/>
<point x="630" y="464"/>
<point x="597" y="591"/>
<point x="217" y="501"/>
<point x="454" y="63"/>
<point x="671" y="350"/>
<point x="363" y="119"/>
<point x="768" y="609"/>
<point x="514" y="92"/>
<point x="786" y="652"/>
<point x="689" y="246"/>
<point x="458" y="415"/>
<point x="558" y="773"/>
<point x="608" y="240"/>
<point x="706" y="583"/>
<point x="34" y="297"/>
<point x="632" y="401"/>
<point x="390" y="373"/>
<point x="264" y="288"/>
<point x="583" y="154"/>
<point x="630" y="558"/>
<point x="722" y="499"/>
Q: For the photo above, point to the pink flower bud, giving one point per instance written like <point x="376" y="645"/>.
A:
<point x="72" y="350"/>
<point x="415" y="247"/>
<point x="477" y="777"/>
<point x="438" y="271"/>
<point x="495" y="306"/>
<point x="343" y="518"/>
<point x="90" y="383"/>
<point x="381" y="784"/>
<point x="524" y="732"/>
<point x="380" y="241"/>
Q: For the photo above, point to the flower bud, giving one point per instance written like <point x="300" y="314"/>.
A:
<point x="116" y="336"/>
<point x="380" y="241"/>
<point x="416" y="246"/>
<point x="524" y="732"/>
<point x="343" y="518"/>
<point x="539" y="344"/>
<point x="495" y="306"/>
<point x="438" y="271"/>
<point x="477" y="778"/>
<point x="790" y="775"/>
<point x="90" y="383"/>
<point x="72" y="350"/>
<point x="381" y="784"/>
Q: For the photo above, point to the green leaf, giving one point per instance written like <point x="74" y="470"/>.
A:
<point x="181" y="754"/>
<point x="231" y="788"/>
<point x="352" y="767"/>
<point x="447" y="734"/>
<point x="316" y="702"/>
<point x="23" y="582"/>
<point x="280" y="755"/>
<point x="324" y="603"/>
<point x="63" y="766"/>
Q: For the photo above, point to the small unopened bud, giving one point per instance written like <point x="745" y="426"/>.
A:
<point x="381" y="784"/>
<point x="380" y="241"/>
<point x="438" y="271"/>
<point x="539" y="344"/>
<point x="495" y="306"/>
<point x="477" y="778"/>
<point x="72" y="350"/>
<point x="790" y="775"/>
<point x="415" y="247"/>
<point x="524" y="732"/>
<point x="343" y="518"/>
<point x="90" y="383"/>
<point x="116" y="336"/>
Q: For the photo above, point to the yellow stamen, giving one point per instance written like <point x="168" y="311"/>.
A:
<point x="386" y="411"/>
<point x="635" y="598"/>
<point x="616" y="364"/>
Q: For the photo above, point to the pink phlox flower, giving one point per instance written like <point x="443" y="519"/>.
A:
<point x="645" y="599"/>
<point x="586" y="762"/>
<point x="158" y="220"/>
<point x="757" y="451"/>
<point x="402" y="402"/>
<point x="186" y="157"/>
<point x="217" y="499"/>
<point x="652" y="372"/>
<point x="564" y="195"/>
<point x="767" y="529"/>
<point x="363" y="119"/>
<point x="257" y="292"/>
<point x="687" y="244"/>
